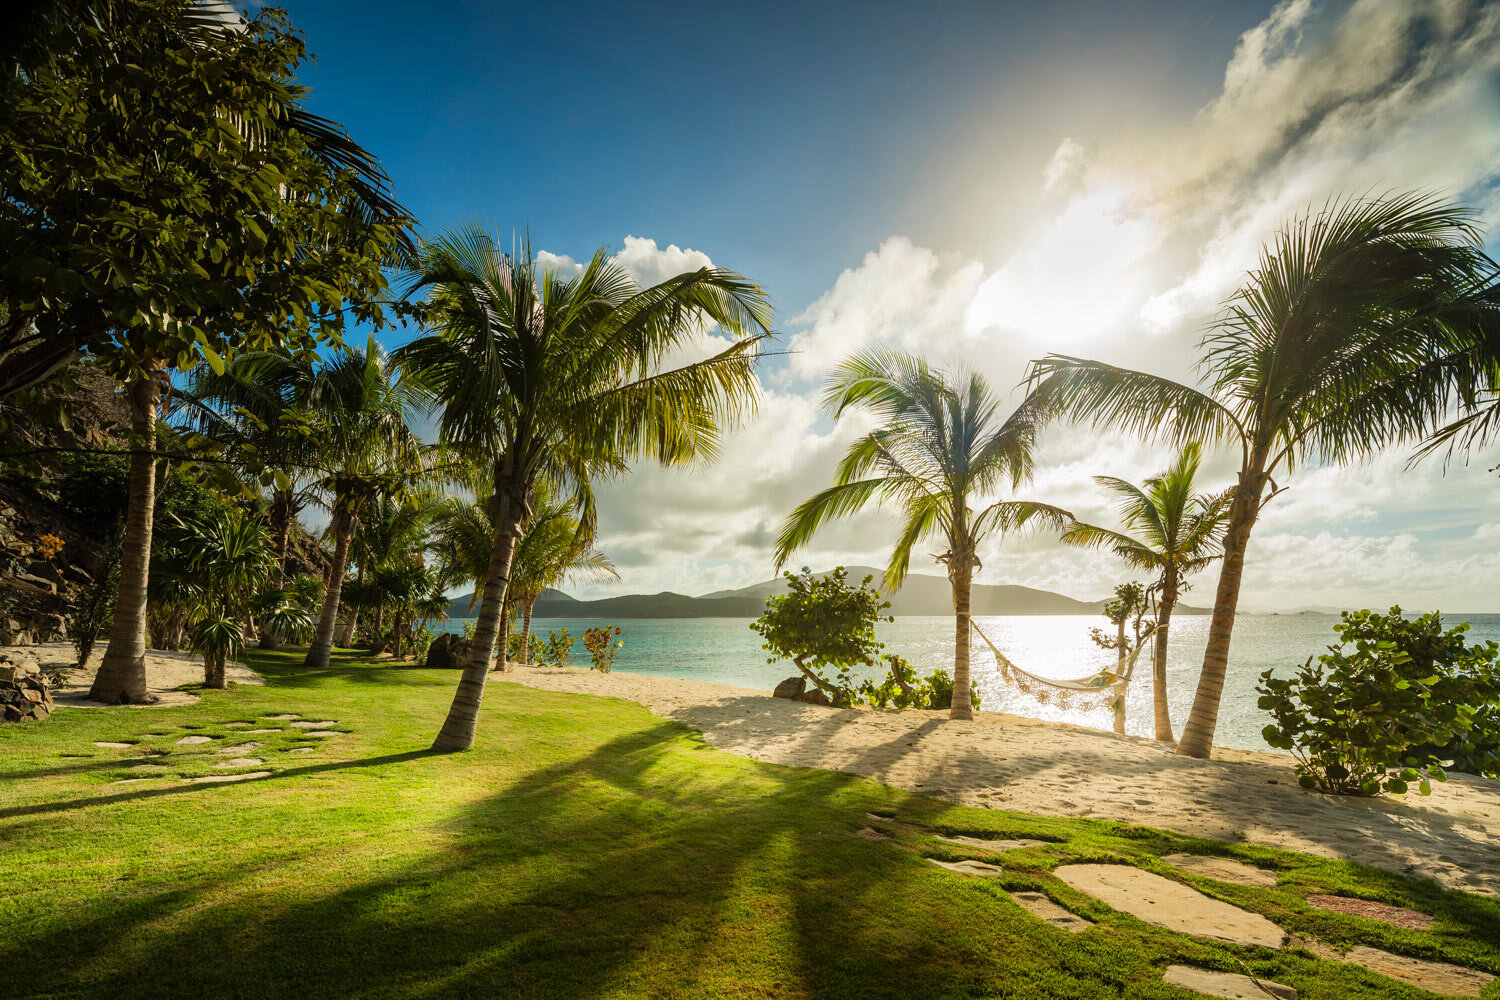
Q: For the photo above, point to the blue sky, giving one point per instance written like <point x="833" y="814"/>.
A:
<point x="981" y="183"/>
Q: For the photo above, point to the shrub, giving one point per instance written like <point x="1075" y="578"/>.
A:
<point x="421" y="638"/>
<point x="822" y="623"/>
<point x="95" y="610"/>
<point x="1368" y="719"/>
<point x="535" y="649"/>
<point x="602" y="645"/>
<point x="559" y="645"/>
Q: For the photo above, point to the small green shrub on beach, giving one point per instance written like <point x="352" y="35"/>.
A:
<point x="559" y="645"/>
<point x="536" y="650"/>
<point x="602" y="644"/>
<point x="1370" y="718"/>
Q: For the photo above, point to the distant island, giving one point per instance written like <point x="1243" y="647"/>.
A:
<point x="921" y="595"/>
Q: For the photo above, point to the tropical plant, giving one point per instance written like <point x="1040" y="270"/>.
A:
<point x="400" y="586"/>
<point x="555" y="548"/>
<point x="602" y="642"/>
<point x="391" y="531"/>
<point x="96" y="604"/>
<point x="559" y="646"/>
<point x="822" y="623"/>
<point x="1354" y="332"/>
<point x="555" y="379"/>
<point x="941" y="444"/>
<point x="1171" y="530"/>
<point x="1367" y="719"/>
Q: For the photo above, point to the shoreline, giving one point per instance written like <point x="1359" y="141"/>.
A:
<point x="1010" y="762"/>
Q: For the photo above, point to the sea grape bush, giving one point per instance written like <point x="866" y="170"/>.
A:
<point x="559" y="645"/>
<point x="602" y="644"/>
<point x="1379" y="710"/>
<point x="823" y="624"/>
<point x="535" y="649"/>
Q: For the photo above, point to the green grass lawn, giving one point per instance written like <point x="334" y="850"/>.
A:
<point x="585" y="848"/>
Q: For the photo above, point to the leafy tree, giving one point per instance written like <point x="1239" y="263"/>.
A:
<point x="602" y="642"/>
<point x="941" y="444"/>
<point x="1130" y="606"/>
<point x="1367" y="719"/>
<point x="1356" y="330"/>
<point x="1175" y="532"/>
<point x="560" y="380"/>
<point x="822" y="623"/>
<point x="391" y="532"/>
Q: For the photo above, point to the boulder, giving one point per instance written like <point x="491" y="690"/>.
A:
<point x="791" y="688"/>
<point x="23" y="690"/>
<point x="447" y="651"/>
<point x="814" y="696"/>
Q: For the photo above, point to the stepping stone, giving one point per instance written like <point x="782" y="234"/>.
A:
<point x="216" y="778"/>
<point x="1436" y="977"/>
<point x="263" y="730"/>
<point x="969" y="868"/>
<point x="992" y="845"/>
<point x="152" y="736"/>
<point x="191" y="741"/>
<point x="1172" y="905"/>
<point x="240" y="762"/>
<point x="1396" y="916"/>
<point x="129" y="781"/>
<point x="324" y="732"/>
<point x="880" y="819"/>
<point x="1225" y="984"/>
<point x="240" y="748"/>
<point x="113" y="746"/>
<point x="150" y="767"/>
<point x="869" y="833"/>
<point x="1221" y="869"/>
<point x="235" y="725"/>
<point x="282" y="718"/>
<point x="314" y="725"/>
<point x="300" y="750"/>
<point x="1321" y="949"/>
<point x="1040" y="905"/>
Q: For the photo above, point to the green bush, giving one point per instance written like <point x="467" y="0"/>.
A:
<point x="1372" y="713"/>
<point x="536" y="650"/>
<point x="602" y="644"/>
<point x="559" y="645"/>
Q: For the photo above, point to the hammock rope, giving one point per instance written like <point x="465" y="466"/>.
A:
<point x="1085" y="694"/>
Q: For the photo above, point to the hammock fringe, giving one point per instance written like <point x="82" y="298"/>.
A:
<point x="1086" y="694"/>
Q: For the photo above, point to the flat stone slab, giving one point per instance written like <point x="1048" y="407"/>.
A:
<point x="130" y="781"/>
<point x="1040" y="905"/>
<point x="324" y="732"/>
<point x="235" y="725"/>
<point x="1221" y="869"/>
<point x="1396" y="916"/>
<point x="217" y="778"/>
<point x="1160" y="901"/>
<point x="880" y="819"/>
<point x="1231" y="985"/>
<point x="992" y="845"/>
<point x="314" y="725"/>
<point x="240" y="762"/>
<point x="282" y="718"/>
<point x="149" y="767"/>
<point x="191" y="741"/>
<point x="113" y="746"/>
<point x="869" y="833"/>
<point x="300" y="750"/>
<point x="263" y="730"/>
<point x="969" y="867"/>
<point x="1437" y="977"/>
<point x="240" y="748"/>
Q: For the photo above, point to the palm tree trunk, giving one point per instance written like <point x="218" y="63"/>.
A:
<point x="281" y="531"/>
<point x="1198" y="733"/>
<point x="1164" y="608"/>
<point x="1119" y="705"/>
<point x="502" y="637"/>
<point x="347" y="636"/>
<point x="122" y="674"/>
<point x="463" y="715"/>
<point x="961" y="575"/>
<point x="526" y="607"/>
<point x="322" y="645"/>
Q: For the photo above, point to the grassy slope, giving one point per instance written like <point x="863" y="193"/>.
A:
<point x="586" y="848"/>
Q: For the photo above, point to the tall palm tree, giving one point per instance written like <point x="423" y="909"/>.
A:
<point x="556" y="548"/>
<point x="360" y="403"/>
<point x="564" y="379"/>
<point x="1355" y="331"/>
<point x="1176" y="533"/>
<point x="392" y="528"/>
<point x="941" y="444"/>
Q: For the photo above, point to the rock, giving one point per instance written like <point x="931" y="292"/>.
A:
<point x="870" y="833"/>
<point x="992" y="845"/>
<point x="448" y="651"/>
<point x="113" y="745"/>
<point x="1436" y="977"/>
<point x="240" y="762"/>
<point x="217" y="778"/>
<point x="23" y="689"/>
<point x="814" y="697"/>
<point x="189" y="741"/>
<point x="283" y="717"/>
<point x="791" y="688"/>
<point x="1039" y="905"/>
<point x="1222" y="869"/>
<point x="1172" y="905"/>
<point x="1231" y="985"/>
<point x="969" y="867"/>
<point x="315" y="725"/>
<point x="324" y="732"/>
<point x="1396" y="916"/>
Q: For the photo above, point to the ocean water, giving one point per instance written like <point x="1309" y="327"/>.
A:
<point x="726" y="651"/>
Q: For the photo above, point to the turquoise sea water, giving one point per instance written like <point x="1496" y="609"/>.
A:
<point x="726" y="651"/>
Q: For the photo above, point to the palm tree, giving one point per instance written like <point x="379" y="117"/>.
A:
<point x="360" y="403"/>
<point x="563" y="379"/>
<point x="940" y="445"/>
<point x="391" y="529"/>
<point x="1176" y="533"/>
<point x="1355" y="331"/>
<point x="556" y="548"/>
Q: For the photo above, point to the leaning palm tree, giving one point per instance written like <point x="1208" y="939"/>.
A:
<point x="1355" y="331"/>
<point x="360" y="403"/>
<point x="543" y="377"/>
<point x="941" y="444"/>
<point x="1175" y="532"/>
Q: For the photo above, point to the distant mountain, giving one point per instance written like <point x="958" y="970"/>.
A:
<point x="921" y="595"/>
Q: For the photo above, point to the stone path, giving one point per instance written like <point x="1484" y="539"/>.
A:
<point x="1041" y="906"/>
<point x="1437" y="977"/>
<point x="1396" y="916"/>
<point x="992" y="845"/>
<point x="190" y="741"/>
<point x="113" y="746"/>
<point x="969" y="867"/>
<point x="217" y="778"/>
<point x="1230" y="985"/>
<point x="1172" y="905"/>
<point x="1222" y="869"/>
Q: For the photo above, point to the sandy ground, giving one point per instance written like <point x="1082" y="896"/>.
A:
<point x="1007" y="762"/>
<point x="165" y="672"/>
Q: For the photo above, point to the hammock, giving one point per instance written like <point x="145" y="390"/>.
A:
<point x="1085" y="694"/>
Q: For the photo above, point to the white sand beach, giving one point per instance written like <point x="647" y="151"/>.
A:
<point x="1008" y="762"/>
<point x="166" y="672"/>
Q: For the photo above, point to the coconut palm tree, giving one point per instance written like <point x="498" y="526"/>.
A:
<point x="556" y="548"/>
<point x="941" y="444"/>
<point x="1355" y="331"/>
<point x="1175" y="533"/>
<point x="360" y="403"/>
<point x="391" y="529"/>
<point x="545" y="377"/>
